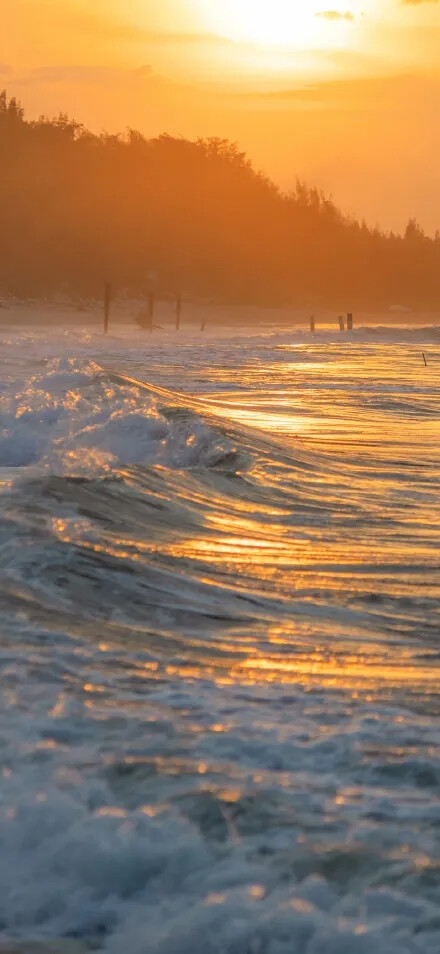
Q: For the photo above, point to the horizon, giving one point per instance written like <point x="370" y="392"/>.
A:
<point x="344" y="98"/>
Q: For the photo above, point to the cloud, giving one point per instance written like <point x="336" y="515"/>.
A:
<point x="79" y="18"/>
<point x="371" y="94"/>
<point x="82" y="74"/>
<point x="160" y="38"/>
<point x="333" y="15"/>
<point x="84" y="79"/>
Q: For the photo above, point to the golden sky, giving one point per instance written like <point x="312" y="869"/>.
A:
<point x="343" y="93"/>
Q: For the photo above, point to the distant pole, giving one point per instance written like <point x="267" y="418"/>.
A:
<point x="107" y="304"/>
<point x="178" y="310"/>
<point x="203" y="325"/>
<point x="424" y="358"/>
<point x="312" y="324"/>
<point x="341" y="323"/>
<point x="349" y="321"/>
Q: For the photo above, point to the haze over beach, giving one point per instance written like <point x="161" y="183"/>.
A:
<point x="344" y="96"/>
<point x="219" y="477"/>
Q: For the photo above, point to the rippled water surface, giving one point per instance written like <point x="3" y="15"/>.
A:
<point x="219" y="642"/>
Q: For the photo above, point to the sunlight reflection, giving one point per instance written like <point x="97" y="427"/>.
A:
<point x="347" y="672"/>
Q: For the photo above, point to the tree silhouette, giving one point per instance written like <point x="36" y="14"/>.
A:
<point x="77" y="209"/>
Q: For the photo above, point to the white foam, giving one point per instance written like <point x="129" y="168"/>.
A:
<point x="111" y="832"/>
<point x="68" y="418"/>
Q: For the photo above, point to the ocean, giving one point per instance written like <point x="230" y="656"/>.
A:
<point x="219" y="641"/>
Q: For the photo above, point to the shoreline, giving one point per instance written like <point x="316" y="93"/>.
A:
<point x="125" y="312"/>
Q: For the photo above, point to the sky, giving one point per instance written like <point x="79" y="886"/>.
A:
<point x="341" y="94"/>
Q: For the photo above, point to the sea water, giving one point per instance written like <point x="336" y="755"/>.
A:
<point x="219" y="641"/>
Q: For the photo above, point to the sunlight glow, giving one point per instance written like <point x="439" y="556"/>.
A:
<point x="292" y="23"/>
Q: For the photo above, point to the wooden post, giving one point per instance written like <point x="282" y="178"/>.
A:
<point x="424" y="358"/>
<point x="341" y="323"/>
<point x="312" y="324"/>
<point x="203" y="325"/>
<point x="178" y="310"/>
<point x="107" y="304"/>
<point x="349" y="321"/>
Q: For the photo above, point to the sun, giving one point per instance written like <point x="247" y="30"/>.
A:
<point x="296" y="23"/>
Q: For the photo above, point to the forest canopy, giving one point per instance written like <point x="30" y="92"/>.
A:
<point x="78" y="209"/>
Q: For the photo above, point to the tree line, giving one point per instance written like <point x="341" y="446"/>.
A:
<point x="78" y="209"/>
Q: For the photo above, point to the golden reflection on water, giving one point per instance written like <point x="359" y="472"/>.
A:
<point x="303" y="650"/>
<point x="275" y="422"/>
<point x="342" y="673"/>
<point x="344" y="398"/>
<point x="349" y="672"/>
<point x="317" y="568"/>
<point x="337" y="422"/>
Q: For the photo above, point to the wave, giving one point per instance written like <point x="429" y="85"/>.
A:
<point x="219" y="650"/>
<point x="163" y="493"/>
<point x="72" y="418"/>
